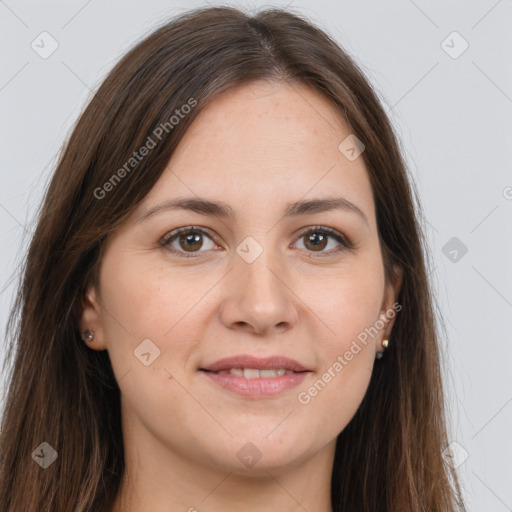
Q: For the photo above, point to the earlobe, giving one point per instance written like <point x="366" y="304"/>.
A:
<point x="90" y="323"/>
<point x="390" y="308"/>
<point x="88" y="335"/>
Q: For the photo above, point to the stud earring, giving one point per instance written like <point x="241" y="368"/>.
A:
<point x="88" y="335"/>
<point x="380" y="354"/>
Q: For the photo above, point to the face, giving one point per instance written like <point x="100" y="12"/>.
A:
<point x="266" y="281"/>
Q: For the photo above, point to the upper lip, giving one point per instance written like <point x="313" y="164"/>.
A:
<point x="259" y="363"/>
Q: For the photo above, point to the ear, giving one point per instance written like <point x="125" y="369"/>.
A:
<point x="91" y="318"/>
<point x="390" y="307"/>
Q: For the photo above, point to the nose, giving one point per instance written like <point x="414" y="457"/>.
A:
<point x="257" y="297"/>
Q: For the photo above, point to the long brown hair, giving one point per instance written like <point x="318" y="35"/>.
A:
<point x="389" y="457"/>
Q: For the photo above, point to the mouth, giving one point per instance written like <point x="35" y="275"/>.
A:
<point x="246" y="362"/>
<point x="254" y="377"/>
<point x="255" y="373"/>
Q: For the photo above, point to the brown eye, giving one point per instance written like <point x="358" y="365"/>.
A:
<point x="187" y="240"/>
<point x="191" y="241"/>
<point x="317" y="239"/>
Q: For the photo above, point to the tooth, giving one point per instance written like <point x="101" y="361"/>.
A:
<point x="222" y="371"/>
<point x="237" y="371"/>
<point x="268" y="373"/>
<point x="281" y="371"/>
<point x="251" y="373"/>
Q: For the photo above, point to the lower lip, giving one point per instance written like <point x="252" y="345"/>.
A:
<point x="257" y="388"/>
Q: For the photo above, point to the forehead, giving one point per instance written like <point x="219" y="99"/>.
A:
<point x="265" y="143"/>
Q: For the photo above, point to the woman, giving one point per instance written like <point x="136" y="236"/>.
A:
<point x="225" y="301"/>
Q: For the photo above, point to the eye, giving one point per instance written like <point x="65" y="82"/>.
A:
<point x="189" y="240"/>
<point x="317" y="237"/>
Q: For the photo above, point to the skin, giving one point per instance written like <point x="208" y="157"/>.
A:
<point x="257" y="147"/>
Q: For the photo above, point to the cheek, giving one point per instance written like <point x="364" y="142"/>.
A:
<point x="150" y="312"/>
<point x="349" y="303"/>
<point x="335" y="396"/>
<point x="148" y="302"/>
<point x="350" y="307"/>
<point x="144" y="298"/>
<point x="344" y="373"/>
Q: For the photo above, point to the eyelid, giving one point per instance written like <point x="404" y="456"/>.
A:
<point x="333" y="233"/>
<point x="342" y="239"/>
<point x="173" y="234"/>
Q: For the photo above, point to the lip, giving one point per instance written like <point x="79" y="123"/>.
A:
<point x="262" y="387"/>
<point x="259" y="363"/>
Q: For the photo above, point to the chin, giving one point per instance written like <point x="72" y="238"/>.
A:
<point x="270" y="462"/>
<point x="257" y="455"/>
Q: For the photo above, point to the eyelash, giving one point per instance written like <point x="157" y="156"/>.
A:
<point x="171" y="236"/>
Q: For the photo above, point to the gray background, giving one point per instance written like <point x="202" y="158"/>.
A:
<point x="452" y="115"/>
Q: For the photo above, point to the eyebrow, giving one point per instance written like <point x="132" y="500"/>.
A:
<point x="223" y="210"/>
